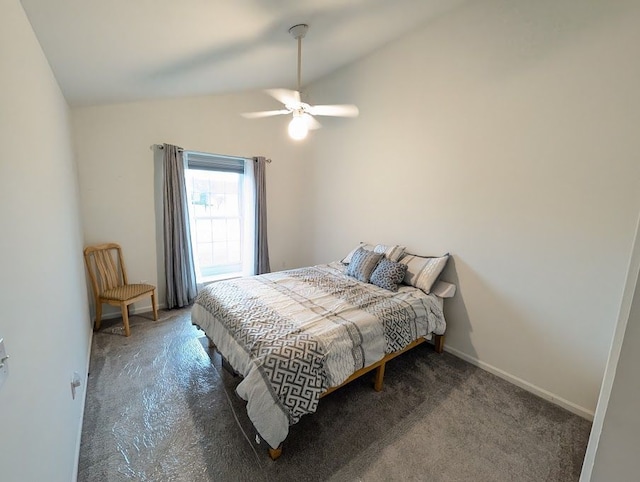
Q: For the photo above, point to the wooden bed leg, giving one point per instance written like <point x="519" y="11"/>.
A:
<point x="211" y="345"/>
<point x="379" y="380"/>
<point x="275" y="453"/>
<point x="438" y="341"/>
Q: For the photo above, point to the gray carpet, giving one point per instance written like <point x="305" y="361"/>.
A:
<point x="160" y="407"/>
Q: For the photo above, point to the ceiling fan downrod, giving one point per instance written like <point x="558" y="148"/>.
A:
<point x="298" y="32"/>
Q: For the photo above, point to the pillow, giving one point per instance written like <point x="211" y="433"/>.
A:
<point x="394" y="253"/>
<point x="347" y="258"/>
<point x="422" y="272"/>
<point x="362" y="264"/>
<point x="388" y="274"/>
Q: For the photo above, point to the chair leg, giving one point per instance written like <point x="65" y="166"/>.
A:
<point x="96" y="325"/>
<point x="154" y="303"/>
<point x="125" y="320"/>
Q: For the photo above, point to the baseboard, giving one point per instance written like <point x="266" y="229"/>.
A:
<point x="530" y="387"/>
<point x="82" y="407"/>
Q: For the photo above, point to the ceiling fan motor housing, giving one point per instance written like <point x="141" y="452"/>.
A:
<point x="299" y="31"/>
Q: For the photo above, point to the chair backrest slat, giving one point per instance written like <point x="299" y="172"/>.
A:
<point x="106" y="267"/>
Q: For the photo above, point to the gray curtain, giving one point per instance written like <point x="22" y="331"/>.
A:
<point x="262" y="247"/>
<point x="178" y="255"/>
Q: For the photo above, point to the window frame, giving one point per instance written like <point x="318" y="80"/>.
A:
<point x="201" y="161"/>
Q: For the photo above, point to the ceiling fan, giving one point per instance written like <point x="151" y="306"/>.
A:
<point x="302" y="112"/>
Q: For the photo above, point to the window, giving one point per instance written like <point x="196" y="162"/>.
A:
<point x="221" y="212"/>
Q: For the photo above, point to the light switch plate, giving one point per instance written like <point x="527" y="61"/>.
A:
<point x="4" y="366"/>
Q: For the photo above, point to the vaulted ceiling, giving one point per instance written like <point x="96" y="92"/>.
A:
<point x="124" y="50"/>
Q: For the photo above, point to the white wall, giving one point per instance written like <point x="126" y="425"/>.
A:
<point x="43" y="307"/>
<point x="504" y="132"/>
<point x="116" y="169"/>
<point x="612" y="453"/>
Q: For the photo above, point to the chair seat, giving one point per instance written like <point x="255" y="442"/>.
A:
<point x="126" y="292"/>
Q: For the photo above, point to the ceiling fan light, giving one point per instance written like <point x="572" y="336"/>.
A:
<point x="298" y="128"/>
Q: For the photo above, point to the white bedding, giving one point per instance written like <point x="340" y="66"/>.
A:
<point x="293" y="334"/>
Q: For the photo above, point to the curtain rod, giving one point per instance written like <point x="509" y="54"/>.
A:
<point x="180" y="149"/>
<point x="160" y="146"/>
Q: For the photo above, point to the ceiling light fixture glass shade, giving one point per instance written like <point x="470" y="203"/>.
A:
<point x="298" y="128"/>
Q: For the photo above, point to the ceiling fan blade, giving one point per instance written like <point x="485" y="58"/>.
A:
<point x="343" y="110"/>
<point x="312" y="124"/>
<point x="286" y="96"/>
<point x="266" y="113"/>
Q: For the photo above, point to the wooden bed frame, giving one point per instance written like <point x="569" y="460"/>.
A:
<point x="438" y="341"/>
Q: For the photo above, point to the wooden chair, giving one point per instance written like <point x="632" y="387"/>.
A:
<point x="109" y="282"/>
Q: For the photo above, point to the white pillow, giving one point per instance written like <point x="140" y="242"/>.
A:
<point x="347" y="258"/>
<point x="422" y="271"/>
<point x="391" y="252"/>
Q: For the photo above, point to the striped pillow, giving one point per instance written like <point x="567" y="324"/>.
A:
<point x="362" y="264"/>
<point x="347" y="258"/>
<point x="422" y="272"/>
<point x="393" y="253"/>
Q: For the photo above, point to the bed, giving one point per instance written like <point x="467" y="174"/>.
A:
<point x="296" y="335"/>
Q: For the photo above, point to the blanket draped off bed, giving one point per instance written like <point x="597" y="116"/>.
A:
<point x="293" y="334"/>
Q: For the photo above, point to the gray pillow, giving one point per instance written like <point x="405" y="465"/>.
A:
<point x="362" y="264"/>
<point x="388" y="274"/>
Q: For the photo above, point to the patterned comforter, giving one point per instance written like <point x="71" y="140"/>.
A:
<point x="293" y="334"/>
